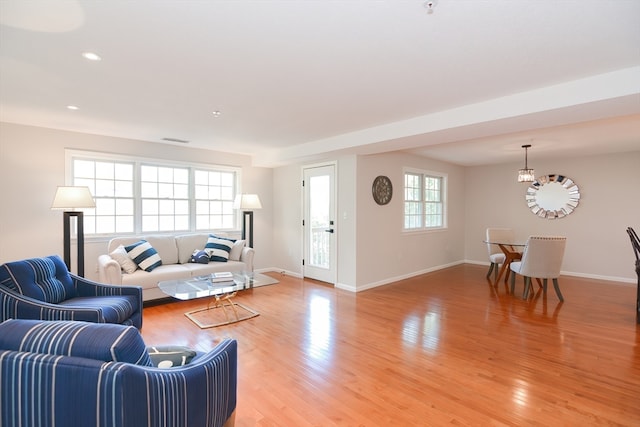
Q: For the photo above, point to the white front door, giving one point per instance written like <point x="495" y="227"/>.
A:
<point x="319" y="224"/>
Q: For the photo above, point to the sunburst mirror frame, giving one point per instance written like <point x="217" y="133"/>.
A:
<point x="553" y="196"/>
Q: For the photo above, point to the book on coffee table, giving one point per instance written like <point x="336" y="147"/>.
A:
<point x="224" y="276"/>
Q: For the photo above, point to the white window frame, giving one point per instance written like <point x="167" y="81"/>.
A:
<point x="138" y="162"/>
<point x="422" y="174"/>
<point x="164" y="197"/>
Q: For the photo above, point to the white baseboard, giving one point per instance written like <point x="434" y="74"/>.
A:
<point x="396" y="278"/>
<point x="619" y="280"/>
<point x="622" y="281"/>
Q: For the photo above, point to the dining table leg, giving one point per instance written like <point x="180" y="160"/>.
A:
<point x="510" y="255"/>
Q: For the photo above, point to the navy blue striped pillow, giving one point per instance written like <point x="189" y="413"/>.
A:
<point x="143" y="254"/>
<point x="199" y="257"/>
<point x="218" y="248"/>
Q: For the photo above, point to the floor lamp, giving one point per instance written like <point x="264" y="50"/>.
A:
<point x="69" y="199"/>
<point x="247" y="202"/>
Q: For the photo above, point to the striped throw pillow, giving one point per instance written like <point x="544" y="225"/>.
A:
<point x="143" y="254"/>
<point x="218" y="249"/>
<point x="168" y="356"/>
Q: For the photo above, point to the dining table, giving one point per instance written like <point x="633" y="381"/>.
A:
<point x="512" y="252"/>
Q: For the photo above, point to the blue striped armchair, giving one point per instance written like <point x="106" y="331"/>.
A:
<point x="43" y="288"/>
<point x="78" y="374"/>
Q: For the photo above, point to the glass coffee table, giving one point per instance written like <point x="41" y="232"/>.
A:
<point x="220" y="294"/>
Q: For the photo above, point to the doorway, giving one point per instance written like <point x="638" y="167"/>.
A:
<point x="319" y="225"/>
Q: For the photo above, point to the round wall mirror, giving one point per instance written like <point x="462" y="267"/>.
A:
<point x="553" y="196"/>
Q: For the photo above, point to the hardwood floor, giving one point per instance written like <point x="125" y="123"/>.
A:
<point x="441" y="348"/>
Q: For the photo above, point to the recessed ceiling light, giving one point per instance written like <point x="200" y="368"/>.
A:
<point x="216" y="113"/>
<point x="73" y="107"/>
<point x="430" y="5"/>
<point x="91" y="56"/>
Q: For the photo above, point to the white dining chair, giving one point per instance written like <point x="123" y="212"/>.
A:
<point x="496" y="256"/>
<point x="541" y="259"/>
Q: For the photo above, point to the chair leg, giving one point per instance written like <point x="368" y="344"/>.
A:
<point x="491" y="269"/>
<point x="557" y="288"/>
<point x="513" y="283"/>
<point x="544" y="286"/>
<point x="527" y="287"/>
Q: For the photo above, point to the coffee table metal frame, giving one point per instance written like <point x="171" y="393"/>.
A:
<point x="221" y="301"/>
<point x="221" y="293"/>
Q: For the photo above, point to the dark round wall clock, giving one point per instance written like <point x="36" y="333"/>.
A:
<point x="382" y="190"/>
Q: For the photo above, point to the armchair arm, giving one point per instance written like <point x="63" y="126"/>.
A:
<point x="18" y="306"/>
<point x="109" y="270"/>
<point x="202" y="393"/>
<point x="118" y="394"/>
<point x="247" y="257"/>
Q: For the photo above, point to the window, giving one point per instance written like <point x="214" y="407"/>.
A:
<point x="424" y="200"/>
<point x="164" y="192"/>
<point x="215" y="191"/>
<point x="111" y="184"/>
<point x="138" y="195"/>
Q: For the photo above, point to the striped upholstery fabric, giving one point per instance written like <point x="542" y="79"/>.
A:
<point x="45" y="390"/>
<point x="218" y="248"/>
<point x="43" y="279"/>
<point x="21" y="297"/>
<point x="115" y="309"/>
<point x="106" y="342"/>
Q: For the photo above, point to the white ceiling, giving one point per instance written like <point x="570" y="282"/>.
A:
<point x="469" y="83"/>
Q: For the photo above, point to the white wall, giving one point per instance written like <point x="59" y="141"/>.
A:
<point x="287" y="219"/>
<point x="385" y="252"/>
<point x="372" y="248"/>
<point x="32" y="165"/>
<point x="597" y="244"/>
<point x="347" y="221"/>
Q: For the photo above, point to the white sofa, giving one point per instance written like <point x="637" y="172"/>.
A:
<point x="175" y="253"/>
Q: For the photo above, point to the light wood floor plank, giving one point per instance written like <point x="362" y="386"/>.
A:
<point x="442" y="348"/>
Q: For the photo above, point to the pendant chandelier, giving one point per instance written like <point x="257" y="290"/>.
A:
<point x="526" y="174"/>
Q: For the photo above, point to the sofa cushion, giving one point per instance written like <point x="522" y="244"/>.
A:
<point x="187" y="243"/>
<point x="45" y="279"/>
<point x="218" y="248"/>
<point x="166" y="247"/>
<point x="124" y="260"/>
<point x="99" y="341"/>
<point x="143" y="254"/>
<point x="196" y="270"/>
<point x="115" y="308"/>
<point x="148" y="280"/>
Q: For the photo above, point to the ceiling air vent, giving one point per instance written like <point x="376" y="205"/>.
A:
<point x="181" y="141"/>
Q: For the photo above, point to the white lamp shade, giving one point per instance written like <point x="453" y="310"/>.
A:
<point x="69" y="198"/>
<point x="247" y="202"/>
